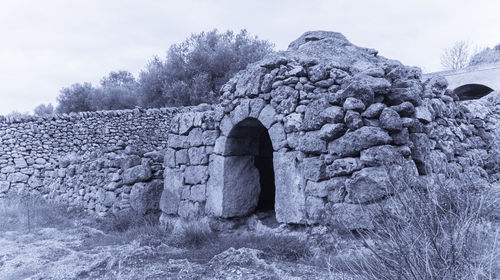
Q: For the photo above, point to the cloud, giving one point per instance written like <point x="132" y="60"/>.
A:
<point x="47" y="45"/>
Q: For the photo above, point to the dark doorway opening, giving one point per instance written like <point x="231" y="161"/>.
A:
<point x="249" y="150"/>
<point x="472" y="91"/>
<point x="264" y="163"/>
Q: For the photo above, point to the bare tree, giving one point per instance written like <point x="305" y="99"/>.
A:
<point x="457" y="56"/>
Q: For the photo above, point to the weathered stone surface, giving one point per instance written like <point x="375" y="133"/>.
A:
<point x="390" y="120"/>
<point x="4" y="186"/>
<point x="195" y="137"/>
<point x="181" y="157"/>
<point x="353" y="142"/>
<point x="267" y="81"/>
<point x="311" y="142"/>
<point x="405" y="109"/>
<point x="343" y="166"/>
<point x="384" y="155"/>
<point x="313" y="117"/>
<point x="331" y="131"/>
<point x="324" y="188"/>
<point x="313" y="169"/>
<point x="20" y="163"/>
<point x="145" y="197"/>
<point x="290" y="185"/>
<point x="317" y="73"/>
<point x="359" y="91"/>
<point x="353" y="120"/>
<point x="17" y="178"/>
<point x="197" y="193"/>
<point x="194" y="175"/>
<point x="352" y="103"/>
<point x="422" y="113"/>
<point x="278" y="136"/>
<point x="267" y="116"/>
<point x="209" y="137"/>
<point x="368" y="184"/>
<point x="374" y="110"/>
<point x="241" y="186"/>
<point x="197" y="155"/>
<point x="109" y="199"/>
<point x="315" y="209"/>
<point x="293" y="122"/>
<point x="171" y="195"/>
<point x="185" y="123"/>
<point x="333" y="114"/>
<point x="136" y="174"/>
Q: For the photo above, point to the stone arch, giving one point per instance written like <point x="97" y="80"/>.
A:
<point x="472" y="91"/>
<point x="242" y="174"/>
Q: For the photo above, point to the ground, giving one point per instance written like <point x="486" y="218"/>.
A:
<point x="70" y="245"/>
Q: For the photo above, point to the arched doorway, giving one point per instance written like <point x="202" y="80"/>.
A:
<point x="248" y="170"/>
<point x="472" y="91"/>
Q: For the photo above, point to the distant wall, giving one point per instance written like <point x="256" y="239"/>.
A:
<point x="91" y="158"/>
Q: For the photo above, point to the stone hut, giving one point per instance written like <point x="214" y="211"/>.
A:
<point x="324" y="129"/>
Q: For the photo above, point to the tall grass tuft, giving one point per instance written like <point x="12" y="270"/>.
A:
<point x="445" y="230"/>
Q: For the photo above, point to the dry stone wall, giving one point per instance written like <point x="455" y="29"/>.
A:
<point x="320" y="133"/>
<point x="95" y="159"/>
<point x="345" y="124"/>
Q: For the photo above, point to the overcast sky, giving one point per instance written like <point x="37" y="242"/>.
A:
<point x="50" y="44"/>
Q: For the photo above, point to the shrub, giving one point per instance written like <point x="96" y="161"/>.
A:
<point x="441" y="231"/>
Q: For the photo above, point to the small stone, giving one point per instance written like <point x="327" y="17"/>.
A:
<point x="353" y="120"/>
<point x="354" y="104"/>
<point x="331" y="131"/>
<point x="374" y="110"/>
<point x="390" y="120"/>
<point x="343" y="166"/>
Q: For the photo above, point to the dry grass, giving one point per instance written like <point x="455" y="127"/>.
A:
<point x="441" y="231"/>
<point x="26" y="213"/>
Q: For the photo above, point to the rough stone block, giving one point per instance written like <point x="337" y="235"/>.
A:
<point x="267" y="116"/>
<point x="198" y="193"/>
<point x="278" y="136"/>
<point x="209" y="137"/>
<point x="290" y="186"/>
<point x="313" y="168"/>
<point x="390" y="120"/>
<point x="324" y="188"/>
<point x="353" y="142"/>
<point x="171" y="196"/>
<point x="197" y="156"/>
<point x="181" y="157"/>
<point x="315" y="209"/>
<point x="343" y="166"/>
<point x="311" y="142"/>
<point x="145" y="197"/>
<point x="331" y="131"/>
<point x="194" y="175"/>
<point x="368" y="185"/>
<point x="195" y="137"/>
<point x="136" y="174"/>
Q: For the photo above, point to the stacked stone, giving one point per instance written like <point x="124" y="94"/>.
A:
<point x="31" y="146"/>
<point x="346" y="126"/>
<point x="191" y="140"/>
<point x="117" y="179"/>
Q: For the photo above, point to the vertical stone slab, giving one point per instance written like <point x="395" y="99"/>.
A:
<point x="241" y="186"/>
<point x="290" y="187"/>
<point x="215" y="185"/>
<point x="171" y="195"/>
